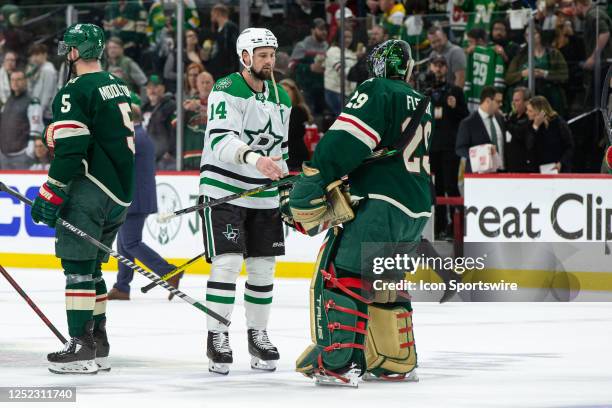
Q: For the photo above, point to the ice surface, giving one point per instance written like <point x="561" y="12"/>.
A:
<point x="470" y="355"/>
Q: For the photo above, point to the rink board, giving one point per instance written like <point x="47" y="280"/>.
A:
<point x="25" y="244"/>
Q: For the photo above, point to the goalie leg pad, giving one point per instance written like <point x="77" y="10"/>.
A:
<point x="390" y="349"/>
<point x="338" y="320"/>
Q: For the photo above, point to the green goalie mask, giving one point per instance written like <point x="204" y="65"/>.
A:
<point x="87" y="38"/>
<point x="392" y="60"/>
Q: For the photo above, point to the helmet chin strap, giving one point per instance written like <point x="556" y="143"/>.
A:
<point x="70" y="65"/>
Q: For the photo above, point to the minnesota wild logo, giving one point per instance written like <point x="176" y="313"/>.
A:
<point x="231" y="233"/>
<point x="263" y="140"/>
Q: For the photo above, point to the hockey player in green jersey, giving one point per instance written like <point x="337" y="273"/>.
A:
<point x="355" y="331"/>
<point x="485" y="67"/>
<point x="89" y="185"/>
<point x="245" y="146"/>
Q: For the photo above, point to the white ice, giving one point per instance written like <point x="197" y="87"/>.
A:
<point x="470" y="355"/>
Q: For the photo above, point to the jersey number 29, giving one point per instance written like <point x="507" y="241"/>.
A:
<point x="422" y="134"/>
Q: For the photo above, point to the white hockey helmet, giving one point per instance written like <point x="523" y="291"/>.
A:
<point x="252" y="38"/>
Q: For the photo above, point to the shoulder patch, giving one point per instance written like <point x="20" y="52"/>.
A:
<point x="223" y="83"/>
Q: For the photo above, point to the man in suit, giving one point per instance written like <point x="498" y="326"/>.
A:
<point x="485" y="125"/>
<point x="129" y="239"/>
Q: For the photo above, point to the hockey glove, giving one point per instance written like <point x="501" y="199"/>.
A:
<point x="285" y="210"/>
<point x="48" y="203"/>
<point x="308" y="202"/>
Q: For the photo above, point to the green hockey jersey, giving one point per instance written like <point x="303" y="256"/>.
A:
<point x="92" y="134"/>
<point x="375" y="117"/>
<point x="240" y="118"/>
<point x="484" y="68"/>
<point x="481" y="13"/>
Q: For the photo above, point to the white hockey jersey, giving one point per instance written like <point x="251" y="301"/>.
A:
<point x="238" y="116"/>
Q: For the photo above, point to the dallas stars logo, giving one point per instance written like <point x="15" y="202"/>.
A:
<point x="263" y="140"/>
<point x="231" y="233"/>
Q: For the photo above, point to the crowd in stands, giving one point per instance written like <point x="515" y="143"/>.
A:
<point x="472" y="59"/>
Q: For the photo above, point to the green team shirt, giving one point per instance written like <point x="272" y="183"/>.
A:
<point x="92" y="134"/>
<point x="373" y="118"/>
<point x="481" y="14"/>
<point x="484" y="68"/>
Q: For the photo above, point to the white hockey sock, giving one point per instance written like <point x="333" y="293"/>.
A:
<point x="258" y="291"/>
<point x="221" y="288"/>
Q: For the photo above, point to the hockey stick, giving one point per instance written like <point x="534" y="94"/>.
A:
<point x="123" y="260"/>
<point x="32" y="305"/>
<point x="172" y="273"/>
<point x="385" y="152"/>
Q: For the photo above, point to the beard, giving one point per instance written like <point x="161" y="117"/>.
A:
<point x="262" y="74"/>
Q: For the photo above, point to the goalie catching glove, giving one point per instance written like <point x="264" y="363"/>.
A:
<point x="312" y="207"/>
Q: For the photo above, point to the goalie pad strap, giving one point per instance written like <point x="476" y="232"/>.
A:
<point x="332" y="305"/>
<point x="337" y="326"/>
<point x="337" y="346"/>
<point x="334" y="281"/>
<point x="323" y="371"/>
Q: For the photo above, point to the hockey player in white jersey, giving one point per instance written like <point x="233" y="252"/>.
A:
<point x="245" y="146"/>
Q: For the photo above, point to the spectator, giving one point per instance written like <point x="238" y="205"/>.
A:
<point x="129" y="239"/>
<point x="449" y="109"/>
<point x="505" y="48"/>
<point x="485" y="67"/>
<point x="127" y="20"/>
<point x="42" y="79"/>
<point x="157" y="115"/>
<point x="191" y="84"/>
<point x="191" y="55"/>
<point x="224" y="59"/>
<point x="480" y="13"/>
<point x="414" y="28"/>
<point x="123" y="66"/>
<point x="196" y="118"/>
<point x="572" y="49"/>
<point x="393" y="16"/>
<point x="162" y="18"/>
<point x="550" y="71"/>
<point x="281" y="66"/>
<point x="42" y="161"/>
<point x="359" y="72"/>
<point x="552" y="138"/>
<point x="8" y="65"/>
<point x="453" y="54"/>
<point x="307" y="61"/>
<point x="334" y="21"/>
<point x="597" y="26"/>
<point x="484" y="126"/>
<point x="13" y="36"/>
<point x="518" y="154"/>
<point x="300" y="117"/>
<point x="20" y="124"/>
<point x="332" y="79"/>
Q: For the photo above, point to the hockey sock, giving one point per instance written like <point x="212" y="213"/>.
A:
<point x="258" y="291"/>
<point x="221" y="288"/>
<point x="99" y="311"/>
<point x="80" y="294"/>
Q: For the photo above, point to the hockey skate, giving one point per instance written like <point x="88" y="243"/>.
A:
<point x="408" y="377"/>
<point x="263" y="353"/>
<point x="218" y="352"/>
<point x="102" y="347"/>
<point x="78" y="355"/>
<point x="349" y="378"/>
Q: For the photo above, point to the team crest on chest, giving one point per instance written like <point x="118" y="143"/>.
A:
<point x="263" y="140"/>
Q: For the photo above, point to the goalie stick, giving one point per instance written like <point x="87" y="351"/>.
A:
<point x="382" y="153"/>
<point x="32" y="305"/>
<point x="122" y="259"/>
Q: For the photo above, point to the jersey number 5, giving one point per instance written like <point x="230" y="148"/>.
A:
<point x="422" y="134"/>
<point x="126" y="115"/>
